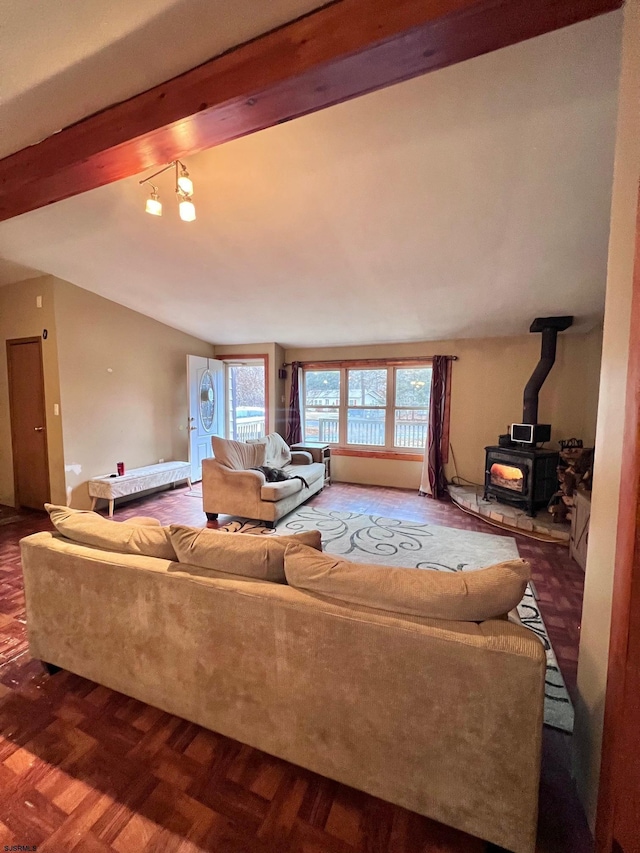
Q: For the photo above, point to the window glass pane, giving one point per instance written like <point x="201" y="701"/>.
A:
<point x="413" y="386"/>
<point x="365" y="426"/>
<point x="322" y="398"/>
<point x="321" y="424"/>
<point x="322" y="387"/>
<point x="368" y="387"/>
<point x="410" y="428"/>
<point x="246" y="401"/>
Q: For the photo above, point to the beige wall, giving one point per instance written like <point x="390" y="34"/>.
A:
<point x="123" y="387"/>
<point x="20" y="318"/>
<point x="596" y="616"/>
<point x="488" y="381"/>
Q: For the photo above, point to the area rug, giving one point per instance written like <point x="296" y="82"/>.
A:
<point x="389" y="541"/>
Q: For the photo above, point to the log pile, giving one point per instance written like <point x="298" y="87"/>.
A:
<point x="575" y="470"/>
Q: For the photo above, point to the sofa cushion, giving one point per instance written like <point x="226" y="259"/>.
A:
<point x="89" y="528"/>
<point x="143" y="521"/>
<point x="311" y="472"/>
<point x="277" y="491"/>
<point x="238" y="455"/>
<point x="462" y="596"/>
<point x="260" y="557"/>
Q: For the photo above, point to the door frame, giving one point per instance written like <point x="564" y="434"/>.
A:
<point x="36" y="339"/>
<point x="624" y="648"/>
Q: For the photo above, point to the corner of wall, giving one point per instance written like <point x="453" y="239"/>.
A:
<point x="593" y="660"/>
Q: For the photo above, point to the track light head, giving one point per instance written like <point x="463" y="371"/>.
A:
<point x="154" y="205"/>
<point x="184" y="181"/>
<point x="187" y="210"/>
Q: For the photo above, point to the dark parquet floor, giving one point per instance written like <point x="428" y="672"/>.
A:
<point x="83" y="768"/>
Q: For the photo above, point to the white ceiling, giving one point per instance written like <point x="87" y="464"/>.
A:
<point x="61" y="61"/>
<point x="460" y="204"/>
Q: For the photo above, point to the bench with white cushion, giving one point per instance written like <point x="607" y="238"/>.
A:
<point x="137" y="480"/>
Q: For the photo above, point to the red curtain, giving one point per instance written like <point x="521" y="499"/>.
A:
<point x="294" y="422"/>
<point x="434" y="482"/>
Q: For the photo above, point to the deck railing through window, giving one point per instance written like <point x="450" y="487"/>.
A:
<point x="372" y="433"/>
<point x="248" y="430"/>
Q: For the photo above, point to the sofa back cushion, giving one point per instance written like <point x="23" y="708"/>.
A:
<point x="460" y="596"/>
<point x="277" y="451"/>
<point x="89" y="528"/>
<point x="237" y="454"/>
<point x="260" y="557"/>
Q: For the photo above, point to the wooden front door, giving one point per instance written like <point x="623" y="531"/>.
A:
<point x="28" y="424"/>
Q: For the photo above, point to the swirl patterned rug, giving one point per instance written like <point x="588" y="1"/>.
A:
<point x="388" y="541"/>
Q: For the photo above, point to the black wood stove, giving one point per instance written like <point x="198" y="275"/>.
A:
<point x="522" y="476"/>
<point x="518" y="472"/>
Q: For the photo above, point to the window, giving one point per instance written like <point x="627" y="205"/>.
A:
<point x="246" y="411"/>
<point x="322" y="405"/>
<point x="366" y="413"/>
<point x="411" y="415"/>
<point x="383" y="407"/>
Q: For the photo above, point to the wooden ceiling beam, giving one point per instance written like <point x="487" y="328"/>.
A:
<point x="340" y="51"/>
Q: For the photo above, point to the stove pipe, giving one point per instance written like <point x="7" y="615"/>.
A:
<point x="549" y="327"/>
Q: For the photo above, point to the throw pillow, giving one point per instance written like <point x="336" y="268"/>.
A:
<point x="260" y="557"/>
<point x="238" y="455"/>
<point x="277" y="451"/>
<point x="89" y="528"/>
<point x="461" y="596"/>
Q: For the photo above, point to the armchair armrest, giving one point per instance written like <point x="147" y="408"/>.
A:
<point x="231" y="492"/>
<point x="301" y="457"/>
<point x="212" y="470"/>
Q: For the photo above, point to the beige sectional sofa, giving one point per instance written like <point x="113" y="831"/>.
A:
<point x="406" y="684"/>
<point x="229" y="485"/>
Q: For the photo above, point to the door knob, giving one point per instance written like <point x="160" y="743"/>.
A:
<point x="38" y="429"/>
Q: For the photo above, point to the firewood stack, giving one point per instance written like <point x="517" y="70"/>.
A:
<point x="574" y="473"/>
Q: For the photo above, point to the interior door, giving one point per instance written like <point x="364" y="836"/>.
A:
<point x="205" y="377"/>
<point x="28" y="422"/>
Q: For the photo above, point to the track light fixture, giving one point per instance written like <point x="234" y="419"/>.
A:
<point x="183" y="190"/>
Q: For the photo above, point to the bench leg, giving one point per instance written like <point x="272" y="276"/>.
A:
<point x="51" y="668"/>
<point x="189" y="482"/>
<point x="111" y="503"/>
<point x="211" y="516"/>
<point x="94" y="501"/>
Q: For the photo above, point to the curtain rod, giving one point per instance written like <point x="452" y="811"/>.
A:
<point x="369" y="360"/>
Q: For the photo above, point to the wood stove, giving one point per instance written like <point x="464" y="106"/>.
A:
<point x="518" y="472"/>
<point x="523" y="477"/>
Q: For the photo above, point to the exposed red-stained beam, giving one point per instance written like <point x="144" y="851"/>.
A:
<point x="343" y="50"/>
